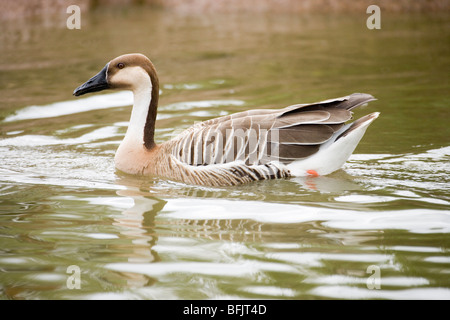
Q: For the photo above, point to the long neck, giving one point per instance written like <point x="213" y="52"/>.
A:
<point x="141" y="128"/>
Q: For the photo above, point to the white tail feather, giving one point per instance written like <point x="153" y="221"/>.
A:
<point x="333" y="154"/>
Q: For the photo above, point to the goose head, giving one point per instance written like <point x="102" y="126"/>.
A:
<point x="127" y="72"/>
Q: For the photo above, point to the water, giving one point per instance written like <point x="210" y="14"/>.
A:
<point x="63" y="204"/>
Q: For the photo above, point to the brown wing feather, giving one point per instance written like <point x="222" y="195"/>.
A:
<point x="305" y="134"/>
<point x="288" y="153"/>
<point x="309" y="116"/>
<point x="347" y="103"/>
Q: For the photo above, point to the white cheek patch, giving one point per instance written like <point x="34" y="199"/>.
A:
<point x="130" y="78"/>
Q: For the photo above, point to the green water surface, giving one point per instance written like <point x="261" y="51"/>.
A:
<point x="63" y="204"/>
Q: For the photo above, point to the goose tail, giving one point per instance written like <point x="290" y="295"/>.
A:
<point x="334" y="153"/>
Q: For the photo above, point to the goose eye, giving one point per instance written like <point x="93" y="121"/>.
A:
<point x="120" y="65"/>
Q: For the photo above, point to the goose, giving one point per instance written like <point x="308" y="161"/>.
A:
<point x="299" y="140"/>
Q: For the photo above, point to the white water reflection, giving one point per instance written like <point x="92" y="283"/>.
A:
<point x="57" y="109"/>
<point x="415" y="220"/>
<point x="346" y="292"/>
<point x="106" y="101"/>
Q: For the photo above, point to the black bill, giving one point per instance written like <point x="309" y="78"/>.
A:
<point x="94" y="84"/>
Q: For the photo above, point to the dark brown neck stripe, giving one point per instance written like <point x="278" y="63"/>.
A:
<point x="149" y="128"/>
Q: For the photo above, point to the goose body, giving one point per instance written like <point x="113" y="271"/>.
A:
<point x="247" y="146"/>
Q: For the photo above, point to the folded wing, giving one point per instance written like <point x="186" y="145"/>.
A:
<point x="258" y="137"/>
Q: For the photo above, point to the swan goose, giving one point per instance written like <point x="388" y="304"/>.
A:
<point x="302" y="139"/>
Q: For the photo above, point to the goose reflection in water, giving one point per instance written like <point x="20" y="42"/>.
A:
<point x="140" y="223"/>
